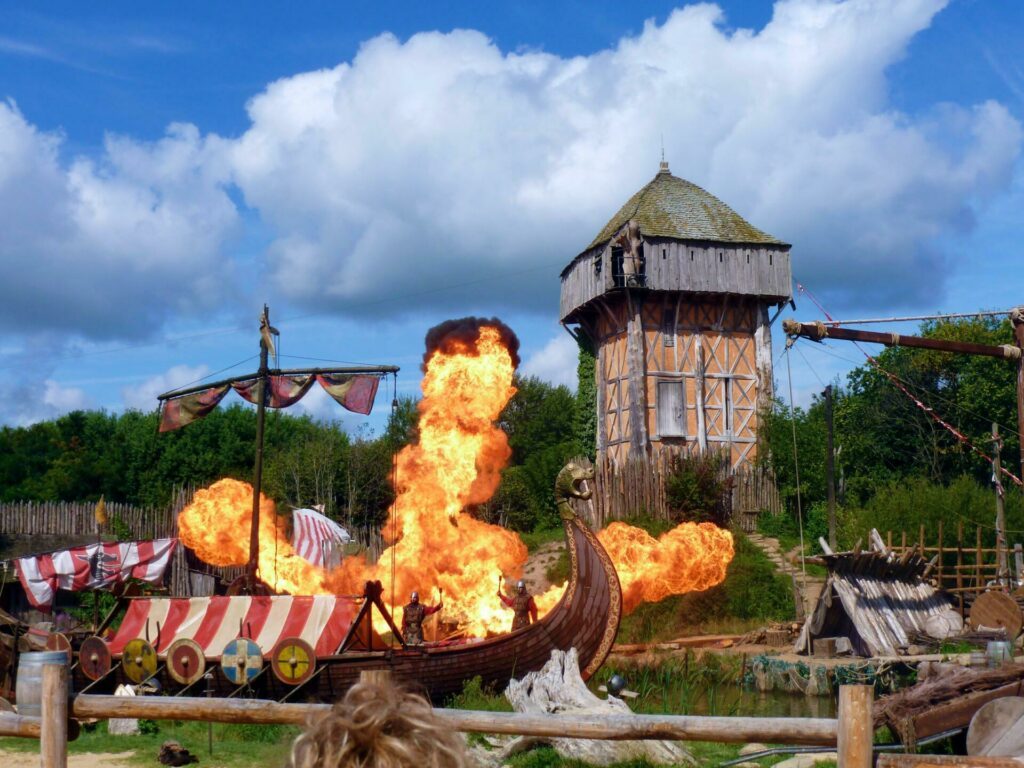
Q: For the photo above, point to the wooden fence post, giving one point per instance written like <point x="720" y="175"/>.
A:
<point x="959" y="566"/>
<point x="856" y="728"/>
<point x="53" y="736"/>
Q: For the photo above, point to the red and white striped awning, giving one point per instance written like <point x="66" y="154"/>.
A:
<point x="212" y="622"/>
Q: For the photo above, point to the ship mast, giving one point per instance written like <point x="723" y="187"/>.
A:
<point x="263" y="379"/>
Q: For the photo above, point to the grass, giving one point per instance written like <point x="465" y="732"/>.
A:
<point x="558" y="571"/>
<point x="534" y="540"/>
<point x="234" y="746"/>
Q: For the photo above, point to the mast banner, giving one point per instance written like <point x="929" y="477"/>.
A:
<point x="179" y="411"/>
<point x="356" y="393"/>
<point x="282" y="392"/>
<point x="92" y="567"/>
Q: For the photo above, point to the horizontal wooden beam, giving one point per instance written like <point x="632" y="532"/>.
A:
<point x="819" y="331"/>
<point x="776" y="730"/>
<point x="20" y="725"/>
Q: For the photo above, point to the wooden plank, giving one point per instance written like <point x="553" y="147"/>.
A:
<point x="957" y="713"/>
<point x="787" y="730"/>
<point x="20" y="725"/>
<point x="899" y="760"/>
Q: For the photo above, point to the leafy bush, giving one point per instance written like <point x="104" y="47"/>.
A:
<point x="697" y="490"/>
<point x="475" y="695"/>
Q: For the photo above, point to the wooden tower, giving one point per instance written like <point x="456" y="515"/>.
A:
<point x="674" y="294"/>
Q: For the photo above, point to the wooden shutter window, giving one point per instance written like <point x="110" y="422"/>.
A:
<point x="671" y="408"/>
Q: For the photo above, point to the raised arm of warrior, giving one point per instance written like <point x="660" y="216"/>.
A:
<point x="506" y="600"/>
<point x="569" y="485"/>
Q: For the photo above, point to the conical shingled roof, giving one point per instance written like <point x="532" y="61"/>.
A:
<point x="672" y="207"/>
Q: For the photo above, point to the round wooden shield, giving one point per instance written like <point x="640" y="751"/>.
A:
<point x="94" y="658"/>
<point x="995" y="610"/>
<point x="58" y="642"/>
<point x="997" y="728"/>
<point x="138" y="660"/>
<point x="241" y="660"/>
<point x="185" y="661"/>
<point x="293" y="660"/>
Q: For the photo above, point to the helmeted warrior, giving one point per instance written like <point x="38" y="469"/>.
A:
<point x="524" y="609"/>
<point x="413" y="615"/>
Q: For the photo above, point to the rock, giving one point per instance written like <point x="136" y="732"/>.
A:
<point x="172" y="753"/>
<point x="807" y="761"/>
<point x="123" y="726"/>
<point x="749" y="749"/>
<point x="559" y="688"/>
<point x="747" y="765"/>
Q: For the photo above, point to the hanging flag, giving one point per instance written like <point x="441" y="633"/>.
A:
<point x="314" y="535"/>
<point x="356" y="393"/>
<point x="282" y="392"/>
<point x="179" y="411"/>
<point x="92" y="567"/>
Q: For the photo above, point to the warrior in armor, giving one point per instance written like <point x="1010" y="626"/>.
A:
<point x="413" y="615"/>
<point x="524" y="610"/>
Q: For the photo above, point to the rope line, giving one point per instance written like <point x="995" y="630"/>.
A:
<point x="927" y="410"/>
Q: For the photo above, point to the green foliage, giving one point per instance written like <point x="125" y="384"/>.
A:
<point x="475" y="695"/>
<point x="91" y="604"/>
<point x="148" y="727"/>
<point x="696" y="489"/>
<point x="535" y="539"/>
<point x="558" y="571"/>
<point x="586" y="399"/>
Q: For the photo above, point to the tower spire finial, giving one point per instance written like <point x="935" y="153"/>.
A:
<point x="663" y="167"/>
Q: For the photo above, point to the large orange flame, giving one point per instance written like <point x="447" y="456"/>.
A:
<point x="434" y="544"/>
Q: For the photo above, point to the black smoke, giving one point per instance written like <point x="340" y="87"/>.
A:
<point x="453" y="336"/>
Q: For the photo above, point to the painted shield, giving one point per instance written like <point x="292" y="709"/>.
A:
<point x="94" y="658"/>
<point x="241" y="660"/>
<point x="185" y="661"/>
<point x="293" y="661"/>
<point x="58" y="642"/>
<point x="139" y="660"/>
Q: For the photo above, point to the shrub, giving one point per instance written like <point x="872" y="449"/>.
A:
<point x="696" y="489"/>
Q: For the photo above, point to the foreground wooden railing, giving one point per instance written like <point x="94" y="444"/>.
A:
<point x="851" y="732"/>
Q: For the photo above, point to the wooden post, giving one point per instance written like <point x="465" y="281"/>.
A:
<point x="1002" y="564"/>
<point x="830" y="469"/>
<point x="53" y="736"/>
<point x="920" y="539"/>
<point x="938" y="573"/>
<point x="856" y="731"/>
<point x="959" y="566"/>
<point x="1017" y="318"/>
<point x="1018" y="562"/>
<point x="978" y="586"/>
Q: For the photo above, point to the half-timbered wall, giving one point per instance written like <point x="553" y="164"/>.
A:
<point x="704" y="374"/>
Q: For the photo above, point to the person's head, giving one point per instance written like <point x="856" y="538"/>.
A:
<point x="379" y="726"/>
<point x="414" y="598"/>
<point x="521" y="587"/>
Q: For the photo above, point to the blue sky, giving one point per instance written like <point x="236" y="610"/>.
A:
<point x="370" y="171"/>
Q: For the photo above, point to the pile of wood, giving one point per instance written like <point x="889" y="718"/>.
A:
<point x="946" y="696"/>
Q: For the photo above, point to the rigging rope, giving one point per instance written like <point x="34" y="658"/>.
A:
<point x="929" y="411"/>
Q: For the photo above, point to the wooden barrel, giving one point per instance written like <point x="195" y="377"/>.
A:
<point x="28" y="691"/>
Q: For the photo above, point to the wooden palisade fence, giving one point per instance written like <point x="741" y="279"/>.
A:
<point x="965" y="568"/>
<point x="851" y="732"/>
<point x="634" y="487"/>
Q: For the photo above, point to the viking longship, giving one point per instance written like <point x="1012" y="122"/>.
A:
<point x="253" y="642"/>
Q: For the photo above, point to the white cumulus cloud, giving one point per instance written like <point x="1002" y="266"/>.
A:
<point x="143" y="396"/>
<point x="555" y="362"/>
<point x="108" y="247"/>
<point x="442" y="160"/>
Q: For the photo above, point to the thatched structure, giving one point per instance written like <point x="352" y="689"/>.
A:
<point x="878" y="601"/>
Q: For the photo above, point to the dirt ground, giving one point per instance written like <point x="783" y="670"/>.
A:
<point x="535" y="570"/>
<point x="93" y="760"/>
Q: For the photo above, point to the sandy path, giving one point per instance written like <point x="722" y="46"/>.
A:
<point x="535" y="570"/>
<point x="91" y="760"/>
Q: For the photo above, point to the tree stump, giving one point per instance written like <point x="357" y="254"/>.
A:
<point x="558" y="688"/>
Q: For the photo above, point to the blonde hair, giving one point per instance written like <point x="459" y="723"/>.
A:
<point x="379" y="726"/>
